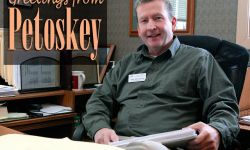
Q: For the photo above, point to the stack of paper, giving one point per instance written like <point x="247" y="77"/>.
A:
<point x="14" y="116"/>
<point x="245" y="120"/>
<point x="51" y="109"/>
<point x="6" y="91"/>
<point x="171" y="139"/>
<point x="3" y="110"/>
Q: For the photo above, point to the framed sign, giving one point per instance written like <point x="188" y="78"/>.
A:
<point x="39" y="74"/>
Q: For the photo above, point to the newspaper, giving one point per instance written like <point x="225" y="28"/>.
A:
<point x="175" y="138"/>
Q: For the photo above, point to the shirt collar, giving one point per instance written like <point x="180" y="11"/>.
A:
<point x="143" y="49"/>
<point x="174" y="46"/>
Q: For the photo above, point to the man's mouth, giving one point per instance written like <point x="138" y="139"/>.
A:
<point x="153" y="35"/>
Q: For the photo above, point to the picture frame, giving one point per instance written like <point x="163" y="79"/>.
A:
<point x="37" y="74"/>
<point x="189" y="30"/>
<point x="132" y="19"/>
<point x="243" y="23"/>
<point x="105" y="54"/>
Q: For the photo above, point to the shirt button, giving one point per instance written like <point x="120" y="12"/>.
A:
<point x="151" y="69"/>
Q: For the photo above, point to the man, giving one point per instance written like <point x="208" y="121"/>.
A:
<point x="164" y="86"/>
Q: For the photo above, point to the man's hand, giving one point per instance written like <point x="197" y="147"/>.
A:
<point x="207" y="139"/>
<point x="105" y="136"/>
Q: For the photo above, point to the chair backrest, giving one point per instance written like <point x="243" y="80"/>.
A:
<point x="232" y="57"/>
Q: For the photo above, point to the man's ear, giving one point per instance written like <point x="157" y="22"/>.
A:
<point x="173" y="21"/>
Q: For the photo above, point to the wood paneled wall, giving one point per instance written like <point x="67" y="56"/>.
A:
<point x="245" y="96"/>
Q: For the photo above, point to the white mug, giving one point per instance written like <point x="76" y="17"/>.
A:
<point x="78" y="79"/>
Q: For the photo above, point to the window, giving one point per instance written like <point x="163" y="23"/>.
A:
<point x="243" y="23"/>
<point x="180" y="12"/>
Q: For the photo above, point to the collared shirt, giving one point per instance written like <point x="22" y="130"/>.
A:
<point x="180" y="87"/>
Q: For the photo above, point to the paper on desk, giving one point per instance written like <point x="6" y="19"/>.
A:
<point x="3" y="112"/>
<point x="6" y="88"/>
<point x="14" y="116"/>
<point x="29" y="142"/>
<point x="54" y="109"/>
<point x="6" y="91"/>
<point x="245" y="117"/>
<point x="2" y="103"/>
<point x="245" y="120"/>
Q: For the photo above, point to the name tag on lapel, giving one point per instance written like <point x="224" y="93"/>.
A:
<point x="137" y="77"/>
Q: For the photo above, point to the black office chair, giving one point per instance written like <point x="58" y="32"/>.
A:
<point x="232" y="58"/>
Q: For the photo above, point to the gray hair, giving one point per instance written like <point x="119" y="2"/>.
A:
<point x="168" y="6"/>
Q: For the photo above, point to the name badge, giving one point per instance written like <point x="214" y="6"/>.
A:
<point x="136" y="77"/>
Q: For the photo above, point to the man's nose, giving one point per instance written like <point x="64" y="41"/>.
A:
<point x="151" y="25"/>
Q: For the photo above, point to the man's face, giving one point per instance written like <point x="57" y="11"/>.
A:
<point x="154" y="26"/>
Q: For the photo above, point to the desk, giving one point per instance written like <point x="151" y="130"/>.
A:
<point x="245" y="128"/>
<point x="49" y="126"/>
<point x="244" y="136"/>
<point x="5" y="130"/>
<point x="40" y="122"/>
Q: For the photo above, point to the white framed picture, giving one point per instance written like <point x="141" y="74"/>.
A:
<point x="243" y="23"/>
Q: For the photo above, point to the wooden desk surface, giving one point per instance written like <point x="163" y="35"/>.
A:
<point x="245" y="127"/>
<point x="5" y="130"/>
